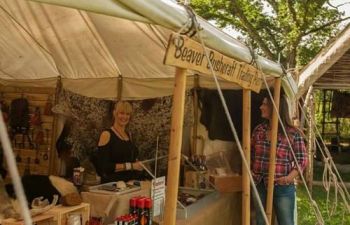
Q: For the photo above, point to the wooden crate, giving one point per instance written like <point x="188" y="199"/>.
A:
<point x="56" y="216"/>
<point x="229" y="183"/>
<point x="62" y="213"/>
<point x="42" y="219"/>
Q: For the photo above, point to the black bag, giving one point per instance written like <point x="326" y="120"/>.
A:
<point x="19" y="121"/>
<point x="19" y="115"/>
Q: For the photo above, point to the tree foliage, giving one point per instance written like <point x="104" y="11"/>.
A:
<point x="290" y="30"/>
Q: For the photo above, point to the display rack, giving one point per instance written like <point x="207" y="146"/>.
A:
<point x="30" y="156"/>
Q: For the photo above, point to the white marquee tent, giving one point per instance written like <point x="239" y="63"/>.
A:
<point x="89" y="51"/>
<point x="92" y="45"/>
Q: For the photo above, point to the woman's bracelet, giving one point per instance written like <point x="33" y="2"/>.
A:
<point x="128" y="166"/>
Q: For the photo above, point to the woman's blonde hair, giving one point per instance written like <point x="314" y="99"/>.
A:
<point x="123" y="106"/>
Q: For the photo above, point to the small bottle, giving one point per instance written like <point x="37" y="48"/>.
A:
<point x="77" y="177"/>
<point x="141" y="211"/>
<point x="133" y="206"/>
<point x="116" y="222"/>
<point x="127" y="220"/>
<point x="136" y="220"/>
<point x="204" y="163"/>
<point x="148" y="210"/>
<point x="120" y="220"/>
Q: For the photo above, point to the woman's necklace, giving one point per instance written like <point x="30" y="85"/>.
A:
<point x="120" y="134"/>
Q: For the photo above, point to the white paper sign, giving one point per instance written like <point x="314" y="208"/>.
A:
<point x="158" y="195"/>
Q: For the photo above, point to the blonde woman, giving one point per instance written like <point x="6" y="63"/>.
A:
<point x="117" y="155"/>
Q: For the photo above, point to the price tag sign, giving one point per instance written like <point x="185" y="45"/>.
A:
<point x="158" y="195"/>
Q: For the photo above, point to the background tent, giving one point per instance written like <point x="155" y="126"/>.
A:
<point x="330" y="68"/>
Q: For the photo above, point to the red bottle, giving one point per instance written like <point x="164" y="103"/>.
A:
<point x="148" y="211"/>
<point x="141" y="211"/>
<point x="133" y="206"/>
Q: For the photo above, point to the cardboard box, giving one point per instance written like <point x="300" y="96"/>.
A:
<point x="228" y="183"/>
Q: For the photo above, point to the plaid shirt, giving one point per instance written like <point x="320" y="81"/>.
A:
<point x="284" y="158"/>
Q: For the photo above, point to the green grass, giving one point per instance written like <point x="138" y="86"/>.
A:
<point x="306" y="215"/>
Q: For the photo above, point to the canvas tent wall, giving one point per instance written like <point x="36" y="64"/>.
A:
<point x="90" y="51"/>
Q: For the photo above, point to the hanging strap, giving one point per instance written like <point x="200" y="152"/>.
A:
<point x="119" y="87"/>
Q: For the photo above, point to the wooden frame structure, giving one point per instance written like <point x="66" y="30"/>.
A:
<point x="249" y="78"/>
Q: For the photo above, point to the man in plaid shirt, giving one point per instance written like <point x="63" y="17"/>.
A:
<point x="286" y="169"/>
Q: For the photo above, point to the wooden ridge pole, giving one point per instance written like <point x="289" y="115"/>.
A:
<point x="272" y="162"/>
<point x="175" y="147"/>
<point x="246" y="149"/>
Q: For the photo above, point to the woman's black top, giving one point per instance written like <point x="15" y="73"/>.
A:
<point x="116" y="151"/>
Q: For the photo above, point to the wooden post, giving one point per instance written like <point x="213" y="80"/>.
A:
<point x="246" y="149"/>
<point x="53" y="152"/>
<point x="311" y="143"/>
<point x="195" y="116"/>
<point x="272" y="162"/>
<point x="175" y="147"/>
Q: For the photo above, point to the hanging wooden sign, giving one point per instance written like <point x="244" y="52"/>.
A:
<point x="186" y="53"/>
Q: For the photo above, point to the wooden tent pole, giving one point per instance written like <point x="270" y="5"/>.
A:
<point x="272" y="165"/>
<point x="246" y="149"/>
<point x="175" y="147"/>
<point x="195" y="116"/>
<point x="311" y="144"/>
<point x="53" y="153"/>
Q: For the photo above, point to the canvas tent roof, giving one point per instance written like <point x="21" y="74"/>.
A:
<point x="89" y="50"/>
<point x="330" y="69"/>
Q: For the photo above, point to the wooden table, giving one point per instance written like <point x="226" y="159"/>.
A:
<point x="225" y="211"/>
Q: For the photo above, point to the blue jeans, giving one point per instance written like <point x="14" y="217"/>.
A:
<point x="283" y="203"/>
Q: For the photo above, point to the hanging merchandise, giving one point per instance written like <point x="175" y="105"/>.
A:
<point x="39" y="138"/>
<point x="18" y="158"/>
<point x="48" y="107"/>
<point x="19" y="115"/>
<point x="27" y="168"/>
<point x="19" y="120"/>
<point x="35" y="120"/>
<point x="37" y="160"/>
